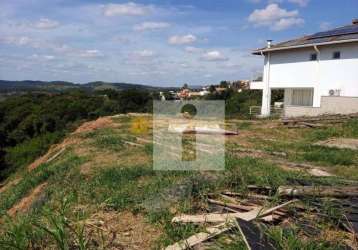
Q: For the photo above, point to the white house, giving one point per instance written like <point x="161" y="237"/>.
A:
<point x="319" y="73"/>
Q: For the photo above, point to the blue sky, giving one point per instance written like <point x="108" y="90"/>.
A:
<point x="158" y="42"/>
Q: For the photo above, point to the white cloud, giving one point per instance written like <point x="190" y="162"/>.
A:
<point x="275" y="1"/>
<point x="20" y="41"/>
<point x="184" y="65"/>
<point x="127" y="9"/>
<point x="43" y="57"/>
<point x="121" y="39"/>
<point x="92" y="53"/>
<point x="285" y="23"/>
<point x="178" y="40"/>
<point x="191" y="49"/>
<point x="144" y="53"/>
<point x="151" y="26"/>
<point x="325" y="25"/>
<point x="213" y="56"/>
<point x="275" y="17"/>
<point x="301" y="3"/>
<point x="45" y="23"/>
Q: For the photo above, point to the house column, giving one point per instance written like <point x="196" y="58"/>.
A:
<point x="266" y="102"/>
<point x="316" y="98"/>
<point x="266" y="91"/>
<point x="316" y="90"/>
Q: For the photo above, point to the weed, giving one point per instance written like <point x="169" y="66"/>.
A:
<point x="34" y="178"/>
<point x="288" y="239"/>
<point x="148" y="148"/>
<point x="244" y="125"/>
<point x="324" y="134"/>
<point x="111" y="142"/>
<point x="351" y="128"/>
<point x="56" y="225"/>
<point x="247" y="171"/>
<point x="329" y="156"/>
<point x="174" y="232"/>
<point x="231" y="241"/>
<point x="18" y="234"/>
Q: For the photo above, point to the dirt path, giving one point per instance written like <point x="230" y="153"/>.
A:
<point x="101" y="122"/>
<point x="9" y="184"/>
<point x="25" y="203"/>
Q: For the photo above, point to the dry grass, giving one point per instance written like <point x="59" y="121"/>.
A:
<point x="112" y="180"/>
<point x="124" y="230"/>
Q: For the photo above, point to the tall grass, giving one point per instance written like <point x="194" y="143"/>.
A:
<point x="34" y="178"/>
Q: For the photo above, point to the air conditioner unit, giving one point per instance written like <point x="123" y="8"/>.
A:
<point x="334" y="92"/>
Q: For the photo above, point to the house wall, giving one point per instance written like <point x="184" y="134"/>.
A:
<point x="329" y="105"/>
<point x="293" y="69"/>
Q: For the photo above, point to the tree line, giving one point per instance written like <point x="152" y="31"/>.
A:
<point x="30" y="123"/>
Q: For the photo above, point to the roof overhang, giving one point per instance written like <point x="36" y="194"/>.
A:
<point x="265" y="50"/>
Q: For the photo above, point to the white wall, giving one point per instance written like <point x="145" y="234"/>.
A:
<point x="329" y="105"/>
<point x="293" y="69"/>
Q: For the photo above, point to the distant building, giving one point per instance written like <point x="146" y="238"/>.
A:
<point x="319" y="73"/>
<point x="240" y="85"/>
<point x="184" y="93"/>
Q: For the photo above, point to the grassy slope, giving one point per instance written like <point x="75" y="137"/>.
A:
<point x="103" y="175"/>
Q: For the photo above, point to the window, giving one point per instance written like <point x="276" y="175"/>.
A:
<point x="313" y="57"/>
<point x="302" y="97"/>
<point x="336" y="55"/>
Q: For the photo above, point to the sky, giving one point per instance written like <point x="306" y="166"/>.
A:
<point x="155" y="42"/>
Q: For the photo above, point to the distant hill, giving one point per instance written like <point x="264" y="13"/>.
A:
<point x="118" y="86"/>
<point x="59" y="86"/>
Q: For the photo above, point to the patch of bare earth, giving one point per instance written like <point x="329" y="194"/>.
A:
<point x="123" y="230"/>
<point x="9" y="184"/>
<point x="344" y="143"/>
<point x="101" y="122"/>
<point x="110" y="159"/>
<point x="25" y="203"/>
<point x="54" y="151"/>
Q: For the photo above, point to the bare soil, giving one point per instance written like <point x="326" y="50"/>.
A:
<point x="345" y="143"/>
<point x="25" y="203"/>
<point x="101" y="122"/>
<point x="125" y="230"/>
<point x="9" y="184"/>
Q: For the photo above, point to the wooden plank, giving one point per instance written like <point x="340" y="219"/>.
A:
<point x="133" y="144"/>
<point x="56" y="155"/>
<point x="318" y="191"/>
<point x="200" y="237"/>
<point x="232" y="205"/>
<point x="215" y="218"/>
<point x="256" y="212"/>
<point x="252" y="196"/>
<point x="221" y="228"/>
